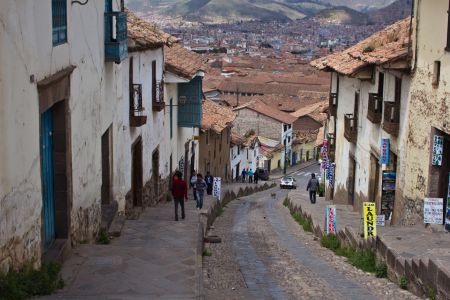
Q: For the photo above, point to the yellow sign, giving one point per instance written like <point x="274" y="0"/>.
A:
<point x="370" y="220"/>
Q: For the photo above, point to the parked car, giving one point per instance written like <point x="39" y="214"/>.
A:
<point x="288" y="182"/>
<point x="262" y="174"/>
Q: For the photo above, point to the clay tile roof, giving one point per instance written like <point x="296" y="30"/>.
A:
<point x="251" y="141"/>
<point x="216" y="117"/>
<point x="387" y="45"/>
<point x="237" y="139"/>
<point x="268" y="111"/>
<point x="182" y="62"/>
<point x="314" y="110"/>
<point x="143" y="35"/>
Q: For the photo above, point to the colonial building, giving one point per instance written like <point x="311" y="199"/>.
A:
<point x="183" y="94"/>
<point x="368" y="105"/>
<point x="244" y="154"/>
<point x="215" y="140"/>
<point x="58" y="59"/>
<point x="429" y="114"/>
<point x="258" y="118"/>
<point x="142" y="160"/>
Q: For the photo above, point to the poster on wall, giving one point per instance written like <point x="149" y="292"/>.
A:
<point x="384" y="156"/>
<point x="433" y="210"/>
<point x="370" y="220"/>
<point x="181" y="165"/>
<point x="388" y="193"/>
<point x="330" y="219"/>
<point x="330" y="174"/>
<point x="217" y="183"/>
<point x="447" y="215"/>
<point x="438" y="147"/>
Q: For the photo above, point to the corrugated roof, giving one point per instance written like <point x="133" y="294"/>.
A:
<point x="182" y="62"/>
<point x="387" y="45"/>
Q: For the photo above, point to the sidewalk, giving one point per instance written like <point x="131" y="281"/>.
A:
<point x="277" y="174"/>
<point x="154" y="257"/>
<point x="415" y="252"/>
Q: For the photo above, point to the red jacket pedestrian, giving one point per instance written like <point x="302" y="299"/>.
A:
<point x="179" y="191"/>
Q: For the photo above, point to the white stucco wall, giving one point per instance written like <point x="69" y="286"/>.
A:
<point x="28" y="56"/>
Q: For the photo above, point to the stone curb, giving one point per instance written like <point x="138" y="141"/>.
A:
<point x="423" y="273"/>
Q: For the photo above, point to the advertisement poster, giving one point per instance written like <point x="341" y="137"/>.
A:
<point x="181" y="165"/>
<point x="447" y="217"/>
<point x="381" y="220"/>
<point x="388" y="193"/>
<point x="370" y="220"/>
<point x="438" y="146"/>
<point x="384" y="156"/>
<point x="330" y="174"/>
<point x="330" y="220"/>
<point x="217" y="183"/>
<point x="433" y="210"/>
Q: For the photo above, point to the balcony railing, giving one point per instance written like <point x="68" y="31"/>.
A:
<point x="391" y="122"/>
<point x="333" y="104"/>
<point x="351" y="129"/>
<point x="375" y="111"/>
<point x="116" y="36"/>
<point x="158" y="96"/>
<point x="137" y="118"/>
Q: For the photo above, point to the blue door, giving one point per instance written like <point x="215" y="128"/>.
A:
<point x="47" y="177"/>
<point x="294" y="158"/>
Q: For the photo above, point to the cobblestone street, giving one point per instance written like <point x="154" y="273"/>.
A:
<point x="264" y="254"/>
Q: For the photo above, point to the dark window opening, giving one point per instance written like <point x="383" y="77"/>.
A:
<point x="436" y="73"/>
<point x="59" y="22"/>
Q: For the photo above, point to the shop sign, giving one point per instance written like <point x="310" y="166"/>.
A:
<point x="384" y="157"/>
<point x="181" y="165"/>
<point x="370" y="220"/>
<point x="433" y="211"/>
<point x="438" y="146"/>
<point x="330" y="173"/>
<point x="447" y="216"/>
<point x="388" y="193"/>
<point x="330" y="219"/>
<point x="217" y="184"/>
<point x="381" y="220"/>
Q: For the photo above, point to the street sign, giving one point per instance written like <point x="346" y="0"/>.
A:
<point x="370" y="220"/>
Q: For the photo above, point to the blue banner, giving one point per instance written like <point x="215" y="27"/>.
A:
<point x="384" y="155"/>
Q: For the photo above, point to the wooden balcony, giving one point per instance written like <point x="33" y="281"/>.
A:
<point x="391" y="122"/>
<point x="158" y="96"/>
<point x="331" y="146"/>
<point x="375" y="110"/>
<point x="351" y="128"/>
<point x="116" y="36"/>
<point x="137" y="118"/>
<point x="332" y="109"/>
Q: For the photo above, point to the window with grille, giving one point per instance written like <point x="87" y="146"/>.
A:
<point x="59" y="21"/>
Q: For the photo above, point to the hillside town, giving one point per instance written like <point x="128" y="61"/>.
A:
<point x="109" y="122"/>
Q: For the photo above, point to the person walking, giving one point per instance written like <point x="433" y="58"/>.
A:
<point x="209" y="182"/>
<point x="192" y="182"/>
<point x="200" y="187"/>
<point x="255" y="177"/>
<point x="243" y="174"/>
<point x="179" y="193"/>
<point x="250" y="176"/>
<point x="313" y="187"/>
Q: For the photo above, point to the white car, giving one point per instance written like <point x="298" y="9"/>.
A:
<point x="288" y="182"/>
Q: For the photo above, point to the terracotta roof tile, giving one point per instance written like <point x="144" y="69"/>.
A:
<point x="216" y="117"/>
<point x="268" y="111"/>
<point x="237" y="139"/>
<point x="387" y="45"/>
<point x="315" y="111"/>
<point x="143" y="35"/>
<point x="320" y="136"/>
<point x="183" y="62"/>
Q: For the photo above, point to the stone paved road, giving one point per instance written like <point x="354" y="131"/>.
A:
<point x="265" y="255"/>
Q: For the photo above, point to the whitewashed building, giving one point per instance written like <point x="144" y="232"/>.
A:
<point x="58" y="58"/>
<point x="369" y="103"/>
<point x="183" y="94"/>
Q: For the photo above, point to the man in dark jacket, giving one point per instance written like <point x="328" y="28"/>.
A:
<point x="313" y="187"/>
<point x="209" y="182"/>
<point x="179" y="193"/>
<point x="200" y="187"/>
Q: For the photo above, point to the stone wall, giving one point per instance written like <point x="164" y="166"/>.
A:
<point x="214" y="154"/>
<point x="248" y="119"/>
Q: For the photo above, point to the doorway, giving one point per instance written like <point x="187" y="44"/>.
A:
<point x="137" y="173"/>
<point x="54" y="171"/>
<point x="237" y="171"/>
<point x="107" y="166"/>
<point x="351" y="180"/>
<point x="155" y="171"/>
<point x="374" y="180"/>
